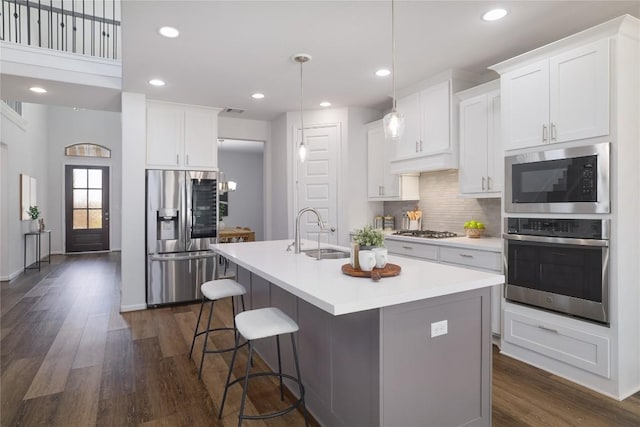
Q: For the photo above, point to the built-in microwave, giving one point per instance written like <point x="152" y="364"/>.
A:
<point x="565" y="180"/>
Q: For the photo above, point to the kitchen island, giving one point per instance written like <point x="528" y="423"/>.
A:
<point x="410" y="350"/>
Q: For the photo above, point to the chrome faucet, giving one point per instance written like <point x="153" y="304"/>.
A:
<point x="296" y="240"/>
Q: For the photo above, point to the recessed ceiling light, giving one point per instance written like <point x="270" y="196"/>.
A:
<point x="325" y="104"/>
<point x="494" y="15"/>
<point x="37" y="89"/>
<point x="169" y="32"/>
<point x="156" y="82"/>
<point x="383" y="72"/>
<point x="257" y="95"/>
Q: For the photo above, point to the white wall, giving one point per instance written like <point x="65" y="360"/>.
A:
<point x="354" y="165"/>
<point x="133" y="295"/>
<point x="26" y="152"/>
<point x="353" y="207"/>
<point x="68" y="126"/>
<point x="278" y="202"/>
<point x="246" y="207"/>
<point x="254" y="130"/>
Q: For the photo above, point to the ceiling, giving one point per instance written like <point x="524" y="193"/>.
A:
<point x="229" y="49"/>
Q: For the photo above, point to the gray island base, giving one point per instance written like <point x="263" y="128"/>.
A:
<point x="425" y="362"/>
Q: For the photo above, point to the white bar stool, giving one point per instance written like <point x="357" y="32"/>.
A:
<point x="258" y="324"/>
<point x="212" y="291"/>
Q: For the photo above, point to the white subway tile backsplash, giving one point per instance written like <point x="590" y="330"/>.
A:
<point x="442" y="209"/>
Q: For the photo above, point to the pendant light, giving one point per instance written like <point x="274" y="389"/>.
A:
<point x="393" y="122"/>
<point x="301" y="58"/>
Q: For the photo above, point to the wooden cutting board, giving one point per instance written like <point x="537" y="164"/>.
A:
<point x="389" y="270"/>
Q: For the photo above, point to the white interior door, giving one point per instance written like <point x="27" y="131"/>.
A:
<point x="317" y="181"/>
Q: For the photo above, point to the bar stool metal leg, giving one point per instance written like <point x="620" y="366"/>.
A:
<point x="246" y="385"/>
<point x="195" y="333"/>
<point x="300" y="388"/>
<point x="226" y="387"/>
<point x="206" y="339"/>
<point x="280" y="367"/>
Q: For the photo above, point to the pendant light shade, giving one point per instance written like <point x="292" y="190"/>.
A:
<point x="301" y="58"/>
<point x="393" y="125"/>
<point x="393" y="122"/>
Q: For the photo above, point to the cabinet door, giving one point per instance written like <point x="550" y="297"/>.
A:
<point x="495" y="152"/>
<point x="390" y="181"/>
<point x="409" y="108"/>
<point x="165" y="135"/>
<point x="525" y="106"/>
<point x="579" y="93"/>
<point x="201" y="139"/>
<point x="375" y="161"/>
<point x="474" y="144"/>
<point x="435" y="111"/>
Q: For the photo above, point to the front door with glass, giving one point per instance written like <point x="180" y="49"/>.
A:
<point x="86" y="208"/>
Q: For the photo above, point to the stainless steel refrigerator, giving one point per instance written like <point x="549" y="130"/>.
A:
<point x="182" y="221"/>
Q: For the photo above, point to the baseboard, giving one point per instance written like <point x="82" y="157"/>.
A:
<point x="132" y="307"/>
<point x="11" y="276"/>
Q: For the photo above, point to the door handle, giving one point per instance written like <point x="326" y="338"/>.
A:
<point x="420" y="145"/>
<point x="416" y="146"/>
<point x="488" y="183"/>
<point x="483" y="183"/>
<point x="466" y="256"/>
<point x="545" y="137"/>
<point x="553" y="132"/>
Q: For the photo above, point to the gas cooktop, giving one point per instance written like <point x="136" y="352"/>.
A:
<point x="427" y="234"/>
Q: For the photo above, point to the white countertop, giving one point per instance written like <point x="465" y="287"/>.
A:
<point x="323" y="284"/>
<point x="490" y="244"/>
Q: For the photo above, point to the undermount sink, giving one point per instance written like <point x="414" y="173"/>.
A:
<point x="327" y="253"/>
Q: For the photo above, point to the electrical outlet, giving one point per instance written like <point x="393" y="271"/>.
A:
<point x="439" y="328"/>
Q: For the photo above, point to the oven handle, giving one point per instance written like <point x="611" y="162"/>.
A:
<point x="559" y="240"/>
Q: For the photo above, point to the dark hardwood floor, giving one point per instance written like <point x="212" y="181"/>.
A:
<point x="69" y="358"/>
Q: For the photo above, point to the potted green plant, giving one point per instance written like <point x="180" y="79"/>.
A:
<point x="368" y="237"/>
<point x="34" y="214"/>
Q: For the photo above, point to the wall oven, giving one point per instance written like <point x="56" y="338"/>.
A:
<point x="559" y="264"/>
<point x="568" y="180"/>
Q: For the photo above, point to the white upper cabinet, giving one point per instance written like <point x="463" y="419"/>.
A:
<point x="435" y="109"/>
<point x="481" y="153"/>
<point x="427" y="120"/>
<point x="200" y="138"/>
<point x="409" y="107"/>
<point x="563" y="98"/>
<point x="381" y="183"/>
<point x="430" y="140"/>
<point x="181" y="136"/>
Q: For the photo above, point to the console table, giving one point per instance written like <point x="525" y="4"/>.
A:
<point x="38" y="236"/>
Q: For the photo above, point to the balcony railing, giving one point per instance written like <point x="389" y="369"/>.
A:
<point x="87" y="27"/>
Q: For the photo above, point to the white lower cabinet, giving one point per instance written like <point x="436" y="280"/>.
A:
<point x="416" y="250"/>
<point x="476" y="259"/>
<point x="582" y="349"/>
